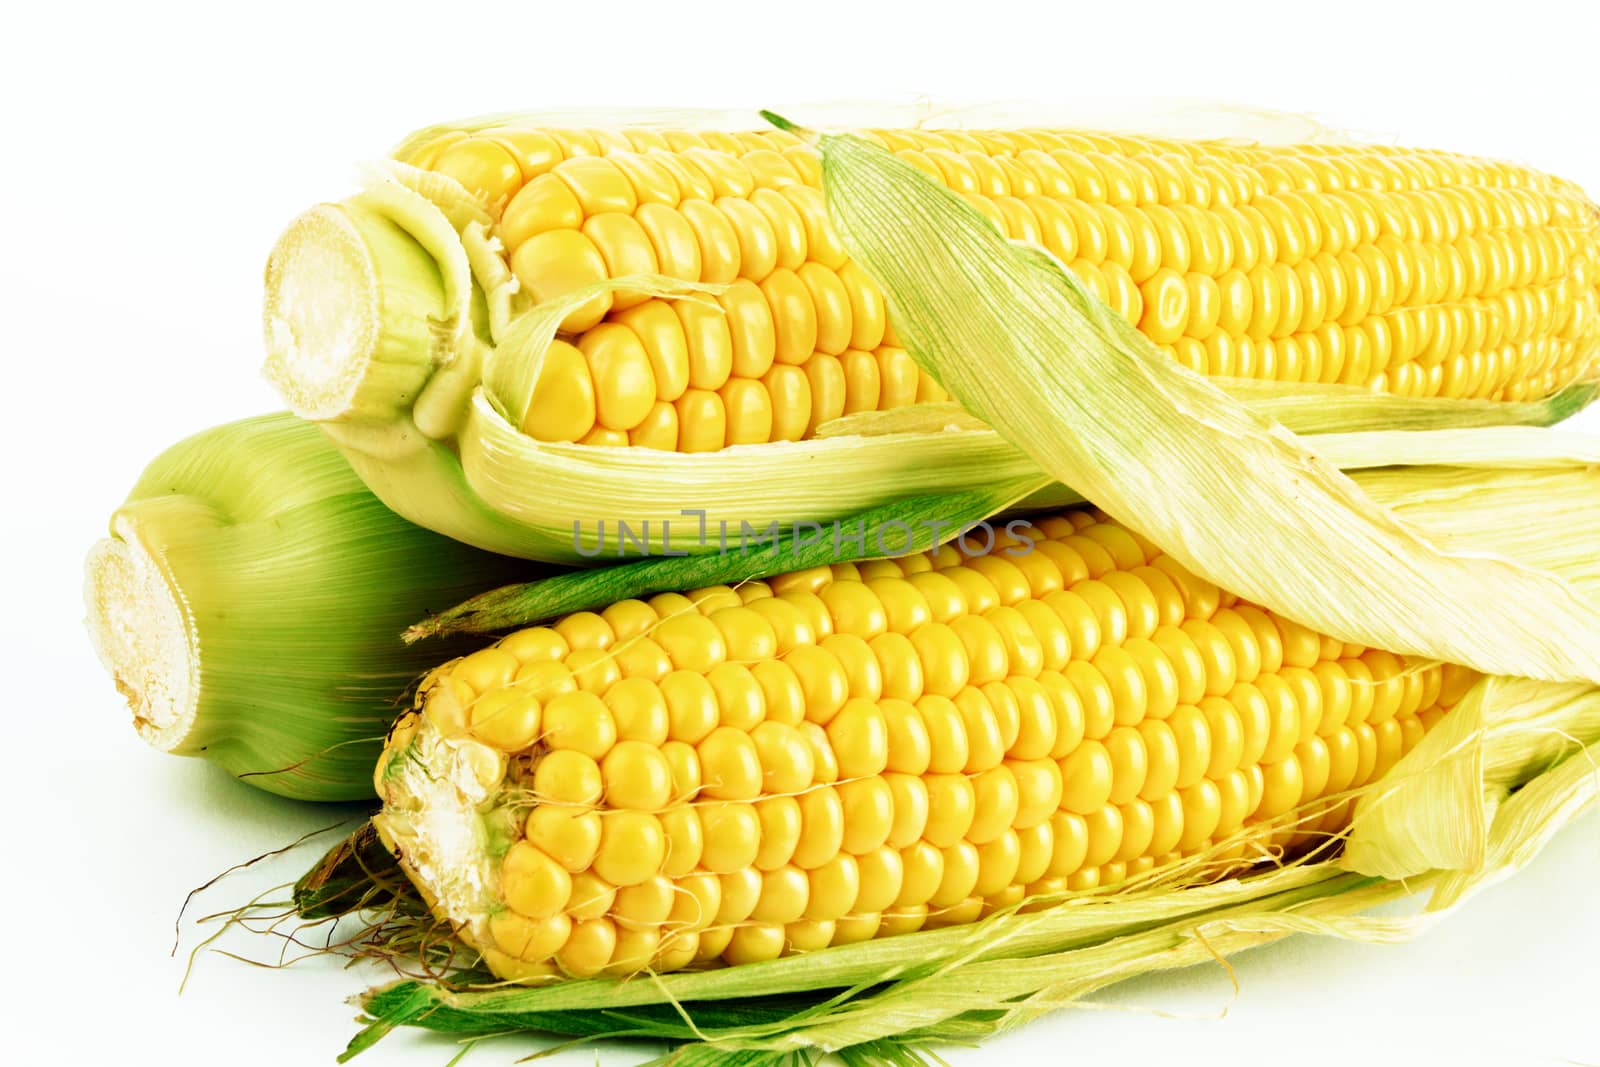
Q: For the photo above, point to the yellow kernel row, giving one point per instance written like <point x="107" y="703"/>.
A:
<point x="632" y="383"/>
<point x="780" y="862"/>
<point x="1191" y="242"/>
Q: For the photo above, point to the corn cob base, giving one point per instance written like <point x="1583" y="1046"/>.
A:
<point x="248" y="547"/>
<point x="838" y="754"/>
<point x="141" y="629"/>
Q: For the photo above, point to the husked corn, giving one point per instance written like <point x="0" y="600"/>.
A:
<point x="1416" y="272"/>
<point x="851" y="752"/>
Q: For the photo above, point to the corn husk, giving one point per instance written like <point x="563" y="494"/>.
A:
<point x="248" y="602"/>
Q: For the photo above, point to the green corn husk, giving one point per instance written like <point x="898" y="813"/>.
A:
<point x="248" y="603"/>
<point x="393" y="320"/>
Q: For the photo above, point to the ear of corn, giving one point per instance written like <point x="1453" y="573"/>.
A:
<point x="1299" y="267"/>
<point x="1475" y="795"/>
<point x="248" y="604"/>
<point x="842" y="753"/>
<point x="1111" y="206"/>
<point x="892" y="998"/>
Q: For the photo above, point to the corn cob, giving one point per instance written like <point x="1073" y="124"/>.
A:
<point x="1419" y="273"/>
<point x="844" y="753"/>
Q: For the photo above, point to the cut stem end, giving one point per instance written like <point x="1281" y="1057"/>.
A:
<point x="140" y="626"/>
<point x="351" y="300"/>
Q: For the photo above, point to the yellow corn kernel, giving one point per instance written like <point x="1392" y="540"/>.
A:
<point x="644" y="905"/>
<point x="506" y="718"/>
<point x="563" y="405"/>
<point x="996" y="802"/>
<point x="567" y="777"/>
<point x="551" y="264"/>
<point x="632" y="847"/>
<point x="785" y="892"/>
<point x="589" y="948"/>
<point x="620" y="367"/>
<point x="958" y="876"/>
<point x="685" y="840"/>
<point x="1089" y="775"/>
<point x="755" y="943"/>
<point x="702" y="421"/>
<point x="636" y="776"/>
<point x="485" y="169"/>
<point x="636" y="949"/>
<point x="730" y="765"/>
<point x="779" y="832"/>
<point x="546" y="203"/>
<point x="533" y="883"/>
<point x="570" y="836"/>
<point x="757" y="240"/>
<point x="698" y="901"/>
<point x="580" y="722"/>
<point x="822" y="827"/>
<point x="526" y="939"/>
<point x="732" y="835"/>
<point x="869" y="813"/>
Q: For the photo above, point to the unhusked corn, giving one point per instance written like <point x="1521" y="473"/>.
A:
<point x="870" y="748"/>
<point x="1420" y="273"/>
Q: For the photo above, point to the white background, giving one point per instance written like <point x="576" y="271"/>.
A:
<point x="153" y="153"/>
